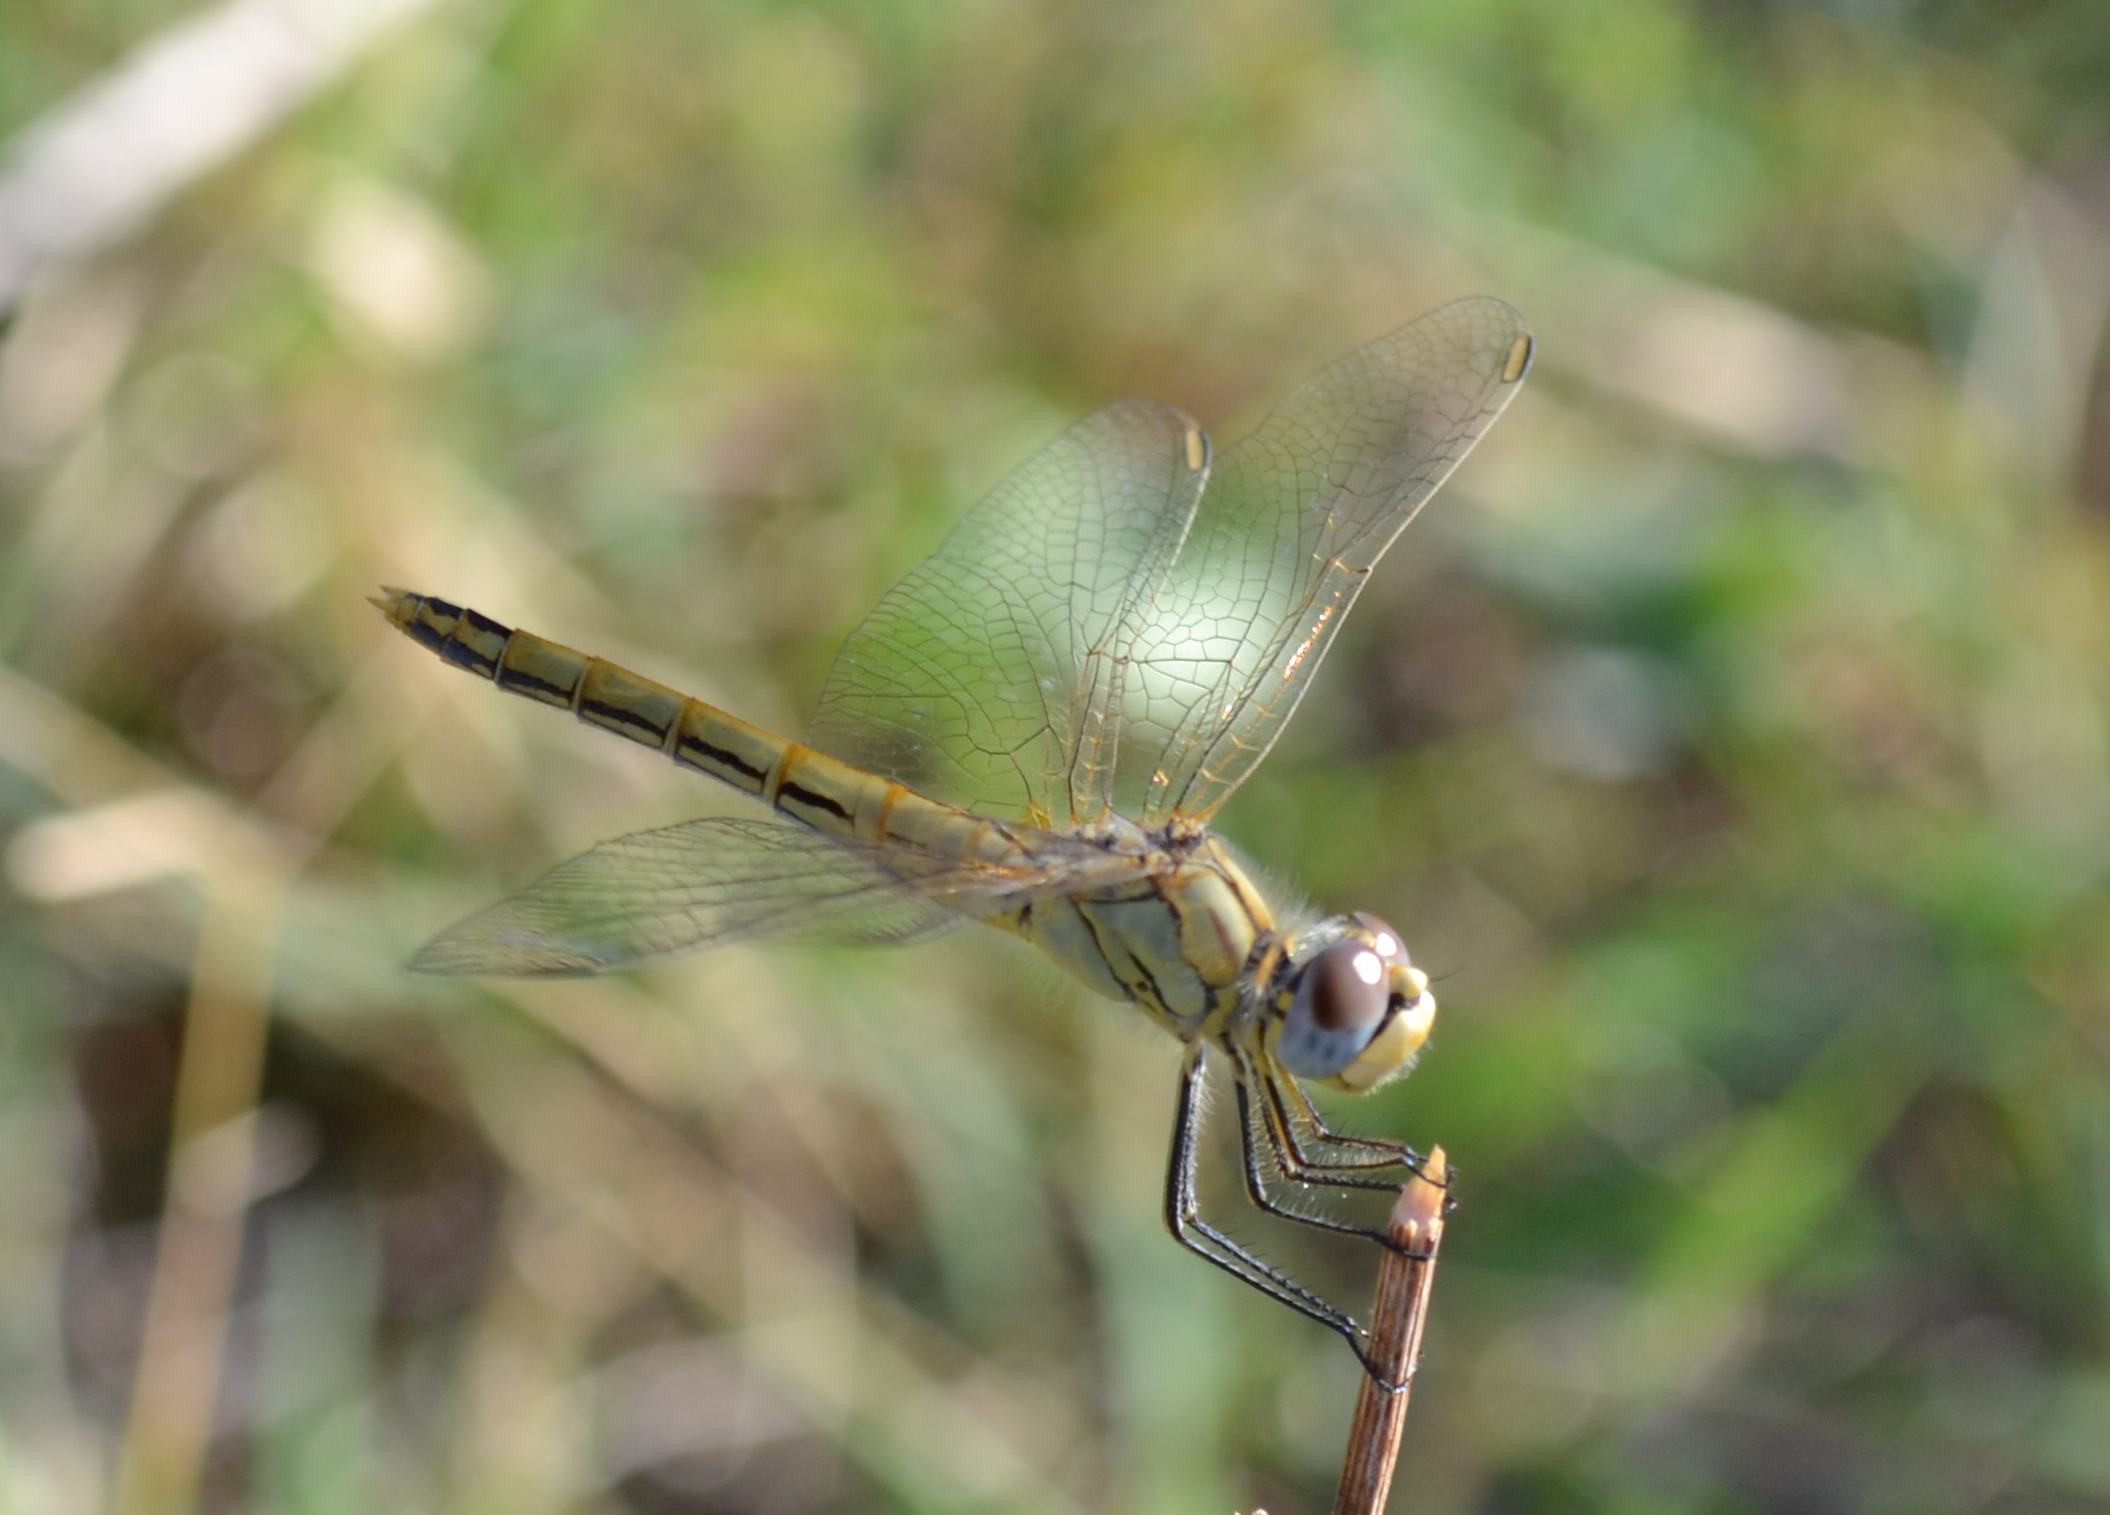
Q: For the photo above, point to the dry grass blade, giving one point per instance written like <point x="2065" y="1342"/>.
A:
<point x="1396" y="1321"/>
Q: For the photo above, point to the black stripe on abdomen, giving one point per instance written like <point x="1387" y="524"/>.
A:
<point x="519" y="681"/>
<point x="720" y="756"/>
<point x="418" y="624"/>
<point x="614" y="717"/>
<point x="462" y="655"/>
<point x="799" y="795"/>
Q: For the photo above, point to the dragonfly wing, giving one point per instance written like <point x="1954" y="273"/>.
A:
<point x="697" y="884"/>
<point x="993" y="675"/>
<point x="734" y="879"/>
<point x="1295" y="517"/>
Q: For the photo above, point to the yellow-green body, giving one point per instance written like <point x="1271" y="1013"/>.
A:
<point x="1178" y="940"/>
<point x="1033" y="729"/>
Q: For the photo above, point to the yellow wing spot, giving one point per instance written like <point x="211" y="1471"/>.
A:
<point x="1519" y="361"/>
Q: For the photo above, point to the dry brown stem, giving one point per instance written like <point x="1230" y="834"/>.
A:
<point x="1396" y="1320"/>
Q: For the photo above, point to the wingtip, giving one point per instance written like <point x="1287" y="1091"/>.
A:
<point x="425" y="964"/>
<point x="458" y="954"/>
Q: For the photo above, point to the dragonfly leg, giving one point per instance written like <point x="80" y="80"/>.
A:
<point x="1253" y="1126"/>
<point x="1281" y="1090"/>
<point x="1261" y="1119"/>
<point x="1280" y="1123"/>
<point x="1394" y="1152"/>
<point x="1183" y="1219"/>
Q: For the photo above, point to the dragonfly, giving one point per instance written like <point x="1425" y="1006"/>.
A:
<point x="1033" y="731"/>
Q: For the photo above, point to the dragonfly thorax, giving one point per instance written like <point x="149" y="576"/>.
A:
<point x="1177" y="942"/>
<point x="1348" y="1008"/>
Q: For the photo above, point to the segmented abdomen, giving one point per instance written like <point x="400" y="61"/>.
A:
<point x="808" y="786"/>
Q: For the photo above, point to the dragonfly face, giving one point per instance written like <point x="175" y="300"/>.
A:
<point x="1354" y="1011"/>
<point x="1034" y="729"/>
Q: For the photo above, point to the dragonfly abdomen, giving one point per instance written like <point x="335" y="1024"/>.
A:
<point x="808" y="786"/>
<point x="600" y="693"/>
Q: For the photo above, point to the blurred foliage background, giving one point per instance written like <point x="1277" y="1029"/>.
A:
<point x="1730" y="739"/>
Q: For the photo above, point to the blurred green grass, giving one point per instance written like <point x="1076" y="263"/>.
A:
<point x="1730" y="738"/>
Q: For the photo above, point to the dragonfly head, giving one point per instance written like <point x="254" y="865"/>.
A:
<point x="1352" y="1010"/>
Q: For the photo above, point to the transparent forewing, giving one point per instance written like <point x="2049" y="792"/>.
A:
<point x="992" y="675"/>
<point x="1294" y="518"/>
<point x="719" y="880"/>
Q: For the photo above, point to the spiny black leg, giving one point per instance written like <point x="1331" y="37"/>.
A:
<point x="1290" y="1157"/>
<point x="1287" y="1165"/>
<point x="1394" y="1152"/>
<point x="1207" y="1242"/>
<point x="1182" y="1214"/>
<point x="1288" y="1091"/>
<point x="1305" y="1167"/>
<point x="1283" y="1132"/>
<point x="1256" y="1180"/>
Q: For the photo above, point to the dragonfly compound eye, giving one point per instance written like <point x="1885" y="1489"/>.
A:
<point x="1360" y="1012"/>
<point x="1341" y="999"/>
